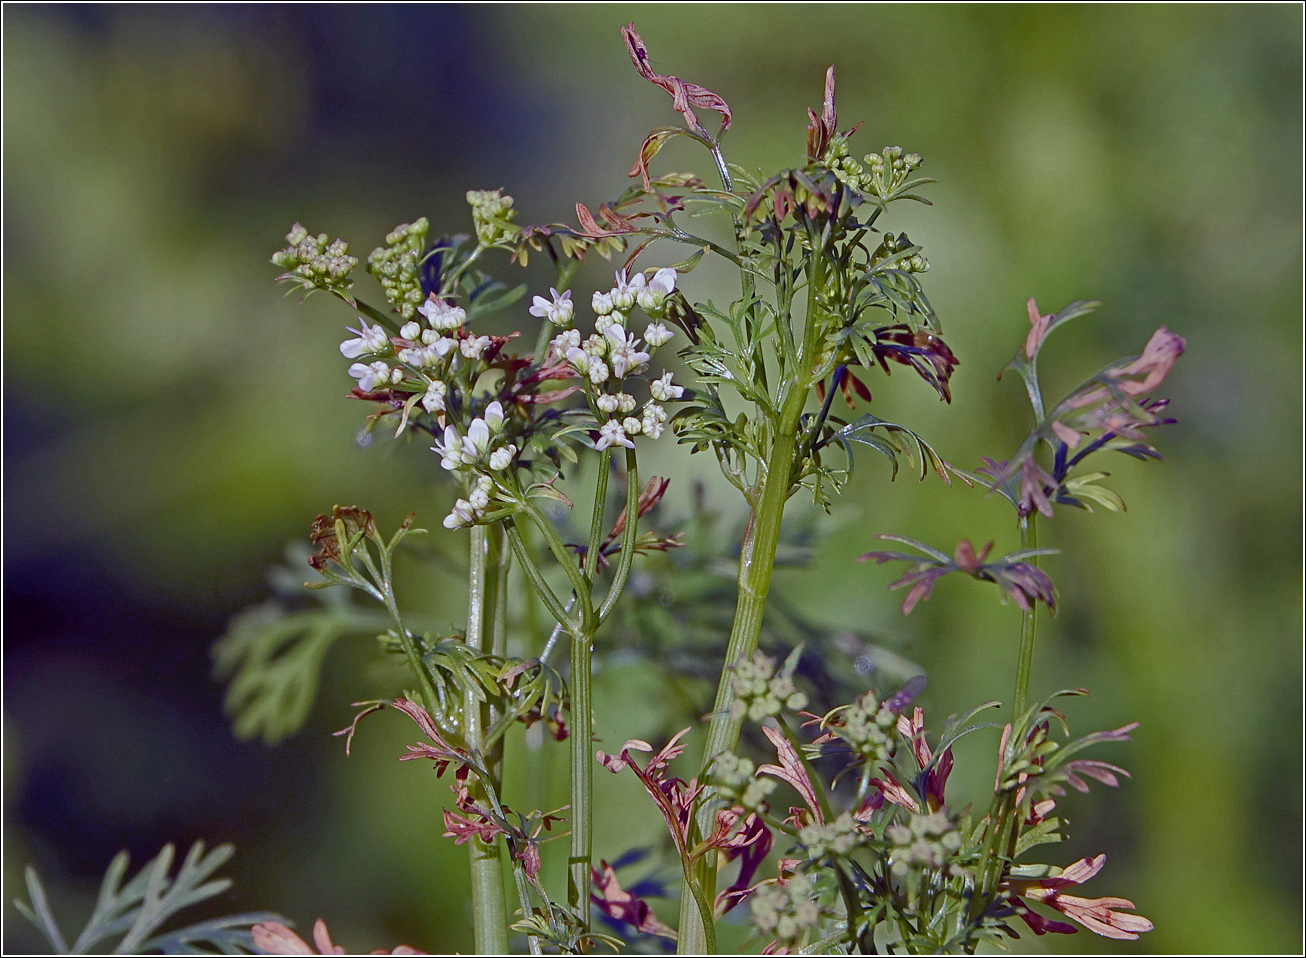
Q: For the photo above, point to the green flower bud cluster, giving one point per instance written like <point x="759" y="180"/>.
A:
<point x="849" y="171"/>
<point x="834" y="840"/>
<point x="891" y="245"/>
<point x="887" y="171"/>
<point x="397" y="266"/>
<point x="735" y="778"/>
<point x="868" y="728"/>
<point x="313" y="262"/>
<point x="760" y="692"/>
<point x="882" y="174"/>
<point x="786" y="911"/>
<point x="926" y="841"/>
<point x="492" y="215"/>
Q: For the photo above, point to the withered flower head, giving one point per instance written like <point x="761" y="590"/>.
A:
<point x="323" y="534"/>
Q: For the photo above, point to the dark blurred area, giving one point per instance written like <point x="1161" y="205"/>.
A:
<point x="171" y="422"/>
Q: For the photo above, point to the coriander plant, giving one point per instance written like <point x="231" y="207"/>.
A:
<point x="818" y="806"/>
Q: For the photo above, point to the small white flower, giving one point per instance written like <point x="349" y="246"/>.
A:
<point x="657" y="335"/>
<point x="558" y="312"/>
<point x="565" y="340"/>
<point x="632" y="426"/>
<point x="433" y="401"/>
<point x="368" y="340"/>
<point x="620" y="402"/>
<point x="626" y="291"/>
<point x="616" y="336"/>
<point x="663" y="390"/>
<point x="602" y="303"/>
<point x="462" y="515"/>
<point x="441" y="315"/>
<point x="624" y="352"/>
<point x="396" y="376"/>
<point x="655" y="420"/>
<point x="474" y="346"/>
<point x="443" y="345"/>
<point x="579" y="360"/>
<point x="370" y="377"/>
<point x="611" y="434"/>
<point x="501" y="458"/>
<point x="413" y="357"/>
<point x="598" y="371"/>
<point x="479" y="497"/>
<point x="659" y="288"/>
<point x="596" y="344"/>
<point x="477" y="441"/>
<point x="411" y="331"/>
<point x="494" y="416"/>
<point x="451" y="450"/>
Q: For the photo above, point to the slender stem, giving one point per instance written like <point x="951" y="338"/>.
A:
<point x="629" y="535"/>
<point x="1028" y="625"/>
<point x="542" y="589"/>
<point x="555" y="633"/>
<point x="564" y="559"/>
<point x="449" y="282"/>
<point x="489" y="909"/>
<point x="1000" y="843"/>
<point x="591" y="565"/>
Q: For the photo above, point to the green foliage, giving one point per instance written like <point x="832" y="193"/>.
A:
<point x="272" y="655"/>
<point x="138" y="910"/>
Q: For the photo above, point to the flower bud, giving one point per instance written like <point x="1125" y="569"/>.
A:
<point x="501" y="458"/>
<point x="433" y="400"/>
<point x="462" y="515"/>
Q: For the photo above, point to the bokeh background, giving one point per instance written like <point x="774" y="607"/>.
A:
<point x="171" y="422"/>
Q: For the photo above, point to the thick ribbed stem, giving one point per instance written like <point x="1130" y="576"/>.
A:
<point x="489" y="908"/>
<point x="756" y="561"/>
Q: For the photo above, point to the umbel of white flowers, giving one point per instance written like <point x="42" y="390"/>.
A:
<point x="422" y="358"/>
<point x="612" y="354"/>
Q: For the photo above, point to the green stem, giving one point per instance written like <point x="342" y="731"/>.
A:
<point x="1000" y="843"/>
<point x="542" y="589"/>
<point x="489" y="909"/>
<point x="567" y="561"/>
<point x="582" y="778"/>
<point x="626" y="557"/>
<point x="1028" y="626"/>
<point x="591" y="565"/>
<point x="756" y="561"/>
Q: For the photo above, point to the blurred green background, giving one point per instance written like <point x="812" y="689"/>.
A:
<point x="171" y="422"/>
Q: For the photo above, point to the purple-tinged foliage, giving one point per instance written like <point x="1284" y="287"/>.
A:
<point x="686" y="95"/>
<point x="1024" y="582"/>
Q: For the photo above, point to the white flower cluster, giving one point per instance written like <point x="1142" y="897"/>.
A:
<point x="484" y="452"/>
<point x="612" y="354"/>
<point x="429" y="353"/>
<point x="423" y="358"/>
